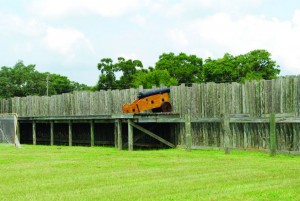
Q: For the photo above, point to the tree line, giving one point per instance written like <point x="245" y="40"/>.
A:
<point x="21" y="80"/>
<point x="170" y="69"/>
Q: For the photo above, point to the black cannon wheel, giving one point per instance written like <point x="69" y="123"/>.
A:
<point x="166" y="107"/>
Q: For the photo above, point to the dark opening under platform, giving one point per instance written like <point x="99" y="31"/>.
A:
<point x="153" y="130"/>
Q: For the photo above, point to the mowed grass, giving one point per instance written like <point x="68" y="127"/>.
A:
<point x="99" y="173"/>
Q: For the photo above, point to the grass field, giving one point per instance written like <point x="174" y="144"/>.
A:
<point x="97" y="173"/>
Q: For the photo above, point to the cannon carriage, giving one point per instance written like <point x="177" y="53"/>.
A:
<point x="156" y="100"/>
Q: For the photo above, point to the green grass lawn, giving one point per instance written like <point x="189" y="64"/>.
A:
<point x="97" y="173"/>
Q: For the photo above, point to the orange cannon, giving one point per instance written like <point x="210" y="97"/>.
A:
<point x="155" y="100"/>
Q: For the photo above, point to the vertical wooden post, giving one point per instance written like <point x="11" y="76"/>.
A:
<point x="188" y="137"/>
<point x="18" y="131"/>
<point x="92" y="133"/>
<point x="119" y="130"/>
<point x="130" y="135"/>
<point x="295" y="134"/>
<point x="51" y="133"/>
<point x="118" y="134"/>
<point x="245" y="126"/>
<point x="272" y="135"/>
<point x="70" y="133"/>
<point x="34" y="133"/>
<point x="226" y="130"/>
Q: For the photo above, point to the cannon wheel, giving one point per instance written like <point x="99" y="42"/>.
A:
<point x="166" y="107"/>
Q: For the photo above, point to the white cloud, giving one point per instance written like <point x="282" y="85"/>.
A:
<point x="58" y="8"/>
<point x="67" y="42"/>
<point x="221" y="33"/>
<point x="62" y="34"/>
<point x="132" y="56"/>
<point x="139" y="20"/>
<point x="296" y="18"/>
<point x="178" y="37"/>
<point x="14" y="24"/>
<point x="203" y="7"/>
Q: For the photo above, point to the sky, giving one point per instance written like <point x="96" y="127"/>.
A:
<point x="70" y="37"/>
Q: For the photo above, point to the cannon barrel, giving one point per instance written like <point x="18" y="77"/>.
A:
<point x="153" y="92"/>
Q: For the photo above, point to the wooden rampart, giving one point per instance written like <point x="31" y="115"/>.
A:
<point x="207" y="104"/>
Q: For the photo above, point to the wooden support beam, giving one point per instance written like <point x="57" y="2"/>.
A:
<point x="92" y="127"/>
<point x="130" y="135"/>
<point x="118" y="134"/>
<point x="70" y="133"/>
<point x="51" y="133"/>
<point x="152" y="134"/>
<point x="188" y="136"/>
<point x="18" y="131"/>
<point x="226" y="131"/>
<point x="34" y="133"/>
<point x="120" y="140"/>
<point x="273" y="143"/>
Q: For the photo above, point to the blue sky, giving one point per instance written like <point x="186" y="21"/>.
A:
<point x="69" y="37"/>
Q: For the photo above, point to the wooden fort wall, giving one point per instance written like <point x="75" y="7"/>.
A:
<point x="206" y="104"/>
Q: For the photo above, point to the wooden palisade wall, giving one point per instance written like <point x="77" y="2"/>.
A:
<point x="207" y="100"/>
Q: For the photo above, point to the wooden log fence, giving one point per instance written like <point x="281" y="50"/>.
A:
<point x="204" y="103"/>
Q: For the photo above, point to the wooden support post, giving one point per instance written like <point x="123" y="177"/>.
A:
<point x="18" y="131"/>
<point x="188" y="137"/>
<point x="226" y="130"/>
<point x="34" y="133"/>
<point x="118" y="134"/>
<point x="51" y="133"/>
<point x="245" y="126"/>
<point x="273" y="143"/>
<point x="130" y="135"/>
<point x="70" y="133"/>
<point x="92" y="124"/>
<point x="295" y="138"/>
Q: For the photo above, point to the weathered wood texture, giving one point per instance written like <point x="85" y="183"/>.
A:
<point x="207" y="100"/>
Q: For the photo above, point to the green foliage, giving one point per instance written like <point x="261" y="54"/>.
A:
<point x="255" y="65"/>
<point x="147" y="79"/>
<point x="22" y="80"/>
<point x="59" y="84"/>
<point x="107" y="78"/>
<point x="220" y="70"/>
<point x="173" y="69"/>
<point x="129" y="69"/>
<point x="184" y="68"/>
<point x="108" y="69"/>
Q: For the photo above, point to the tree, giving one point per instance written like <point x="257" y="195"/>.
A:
<point x="147" y="79"/>
<point x="21" y="81"/>
<point x="220" y="70"/>
<point x="184" y="68"/>
<point x="81" y="87"/>
<point x="256" y="64"/>
<point x="128" y="69"/>
<point x="59" y="84"/>
<point x="107" y="78"/>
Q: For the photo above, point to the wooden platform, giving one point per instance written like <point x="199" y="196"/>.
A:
<point x="142" y="117"/>
<point x="118" y="120"/>
<point x="120" y="128"/>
